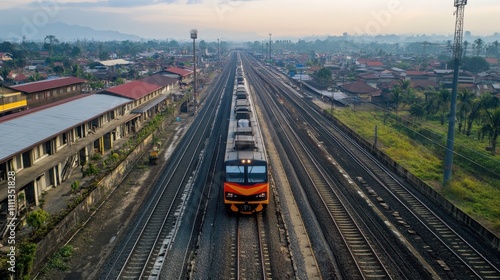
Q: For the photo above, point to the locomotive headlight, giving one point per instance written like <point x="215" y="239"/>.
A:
<point x="230" y="195"/>
<point x="261" y="195"/>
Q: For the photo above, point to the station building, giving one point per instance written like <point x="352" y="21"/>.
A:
<point x="43" y="146"/>
<point x="48" y="91"/>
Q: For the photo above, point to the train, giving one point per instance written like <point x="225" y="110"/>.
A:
<point x="246" y="178"/>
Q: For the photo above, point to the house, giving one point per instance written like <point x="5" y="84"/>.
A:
<point x="423" y="85"/>
<point x="5" y="56"/>
<point x="370" y="64"/>
<point x="360" y="89"/>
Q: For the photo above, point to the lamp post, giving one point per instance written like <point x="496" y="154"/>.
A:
<point x="194" y="35"/>
<point x="270" y="56"/>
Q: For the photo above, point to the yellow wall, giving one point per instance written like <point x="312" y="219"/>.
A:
<point x="13" y="105"/>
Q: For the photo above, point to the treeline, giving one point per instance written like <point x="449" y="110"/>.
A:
<point x="477" y="116"/>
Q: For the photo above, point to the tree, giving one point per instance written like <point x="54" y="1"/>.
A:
<point x="37" y="219"/>
<point x="402" y="94"/>
<point x="49" y="42"/>
<point x="492" y="128"/>
<point x="75" y="51"/>
<point x="324" y="75"/>
<point x="473" y="64"/>
<point x="443" y="104"/>
<point x="58" y="69"/>
<point x="479" y="46"/>
<point x="466" y="45"/>
<point x="465" y="98"/>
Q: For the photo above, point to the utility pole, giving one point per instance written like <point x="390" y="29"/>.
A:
<point x="270" y="57"/>
<point x="457" y="55"/>
<point x="194" y="35"/>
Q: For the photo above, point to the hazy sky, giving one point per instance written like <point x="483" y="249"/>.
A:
<point x="253" y="18"/>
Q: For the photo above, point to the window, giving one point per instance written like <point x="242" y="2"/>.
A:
<point x="235" y="174"/>
<point x="256" y="174"/>
<point x="19" y="162"/>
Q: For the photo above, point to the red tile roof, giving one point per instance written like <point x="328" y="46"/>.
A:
<point x="47" y="84"/>
<point x="492" y="60"/>
<point x="358" y="87"/>
<point x="374" y="64"/>
<point x="424" y="84"/>
<point x="179" y="71"/>
<point x="133" y="90"/>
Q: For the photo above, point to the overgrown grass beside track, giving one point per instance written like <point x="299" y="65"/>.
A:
<point x="475" y="187"/>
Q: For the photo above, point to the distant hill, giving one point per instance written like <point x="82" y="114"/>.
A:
<point x="63" y="32"/>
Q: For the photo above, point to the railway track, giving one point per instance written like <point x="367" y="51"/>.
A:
<point x="466" y="261"/>
<point x="364" y="257"/>
<point x="143" y="250"/>
<point x="250" y="250"/>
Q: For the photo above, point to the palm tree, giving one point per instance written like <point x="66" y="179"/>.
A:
<point x="479" y="46"/>
<point x="442" y="104"/>
<point x="464" y="106"/>
<point x="495" y="45"/>
<point x="466" y="45"/>
<point x="473" y="114"/>
<point x="492" y="128"/>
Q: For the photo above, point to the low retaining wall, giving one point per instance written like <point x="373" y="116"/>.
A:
<point x="422" y="187"/>
<point x="60" y="233"/>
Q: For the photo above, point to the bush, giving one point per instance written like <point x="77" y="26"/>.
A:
<point x="60" y="258"/>
<point x="37" y="219"/>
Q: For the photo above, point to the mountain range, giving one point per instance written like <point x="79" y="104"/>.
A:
<point x="62" y="31"/>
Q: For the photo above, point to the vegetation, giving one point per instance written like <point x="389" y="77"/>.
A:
<point x="25" y="260"/>
<point x="37" y="219"/>
<point x="60" y="259"/>
<point x="420" y="149"/>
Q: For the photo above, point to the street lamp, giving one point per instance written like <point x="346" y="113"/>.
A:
<point x="194" y="35"/>
<point x="270" y="56"/>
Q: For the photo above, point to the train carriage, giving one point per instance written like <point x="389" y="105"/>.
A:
<point x="246" y="186"/>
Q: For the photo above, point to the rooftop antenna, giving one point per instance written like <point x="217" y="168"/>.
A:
<point x="457" y="55"/>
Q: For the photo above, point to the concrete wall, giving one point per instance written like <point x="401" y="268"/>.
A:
<point x="421" y="186"/>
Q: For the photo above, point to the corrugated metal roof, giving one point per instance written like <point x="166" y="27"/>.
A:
<point x="179" y="71"/>
<point x="114" y="62"/>
<point x="160" y="80"/>
<point x="47" y="84"/>
<point x="150" y="104"/>
<point x="23" y="132"/>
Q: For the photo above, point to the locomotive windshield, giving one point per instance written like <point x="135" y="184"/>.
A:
<point x="235" y="174"/>
<point x="246" y="173"/>
<point x="256" y="174"/>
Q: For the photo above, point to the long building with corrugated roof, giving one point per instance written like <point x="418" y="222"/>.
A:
<point x="43" y="145"/>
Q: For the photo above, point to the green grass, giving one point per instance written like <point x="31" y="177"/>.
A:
<point x="475" y="194"/>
